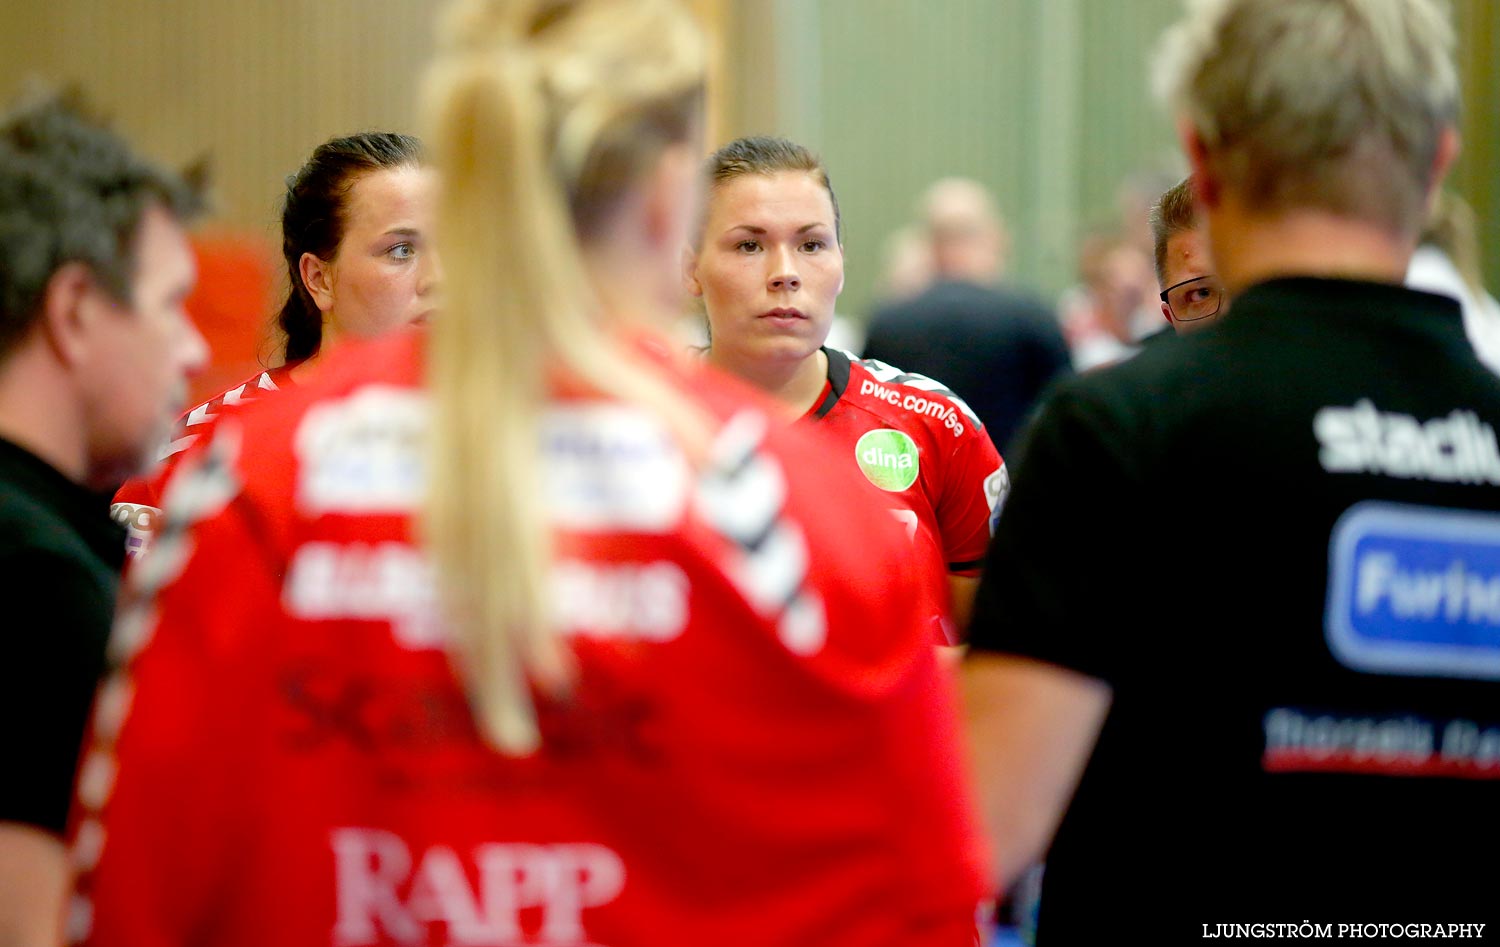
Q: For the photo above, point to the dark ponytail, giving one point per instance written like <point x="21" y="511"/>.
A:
<point x="312" y="220"/>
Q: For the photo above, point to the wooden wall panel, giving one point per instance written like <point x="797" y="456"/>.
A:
<point x="1044" y="100"/>
<point x="252" y="84"/>
<point x="255" y="84"/>
<point x="714" y="17"/>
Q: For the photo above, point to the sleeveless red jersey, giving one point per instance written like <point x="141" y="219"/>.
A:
<point x="137" y="504"/>
<point x="921" y="445"/>
<point x="760" y="748"/>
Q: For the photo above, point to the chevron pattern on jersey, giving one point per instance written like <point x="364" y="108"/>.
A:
<point x="742" y="493"/>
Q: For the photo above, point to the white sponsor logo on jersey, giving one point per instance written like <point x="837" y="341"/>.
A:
<point x="1458" y="448"/>
<point x="387" y="581"/>
<point x="364" y="453"/>
<point x="939" y="406"/>
<point x="647" y="601"/>
<point x="531" y="894"/>
<point x="134" y="515"/>
<point x="996" y="489"/>
<point x="394" y="582"/>
<point x="139" y="521"/>
<point x="611" y="467"/>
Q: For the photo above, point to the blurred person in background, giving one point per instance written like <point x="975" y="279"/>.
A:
<point x="906" y="264"/>
<point x="1135" y="197"/>
<point x="356" y="237"/>
<point x="996" y="344"/>
<point x="95" y="355"/>
<point x="1447" y="262"/>
<point x="769" y="265"/>
<point x="1191" y="295"/>
<point x="1301" y="728"/>
<point x="1105" y="319"/>
<point x="537" y="634"/>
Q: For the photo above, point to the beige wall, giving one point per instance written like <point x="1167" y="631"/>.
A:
<point x="1043" y="99"/>
<point x="1476" y="177"/>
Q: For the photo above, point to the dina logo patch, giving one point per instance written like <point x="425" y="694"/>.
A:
<point x="888" y="459"/>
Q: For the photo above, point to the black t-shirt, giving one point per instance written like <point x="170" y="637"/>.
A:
<point x="996" y="346"/>
<point x="60" y="555"/>
<point x="1278" y="541"/>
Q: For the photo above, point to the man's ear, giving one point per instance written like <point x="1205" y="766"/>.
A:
<point x="317" y="276"/>
<point x="69" y="312"/>
<point x="690" y="273"/>
<point x="1205" y="183"/>
<point x="1166" y="313"/>
<point x="1448" y="146"/>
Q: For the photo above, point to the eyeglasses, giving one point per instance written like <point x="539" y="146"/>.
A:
<point x="1194" y="299"/>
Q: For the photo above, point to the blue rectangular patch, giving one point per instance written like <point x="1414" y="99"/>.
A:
<point x="1415" y="591"/>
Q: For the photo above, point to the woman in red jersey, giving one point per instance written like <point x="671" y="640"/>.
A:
<point x="355" y="231"/>
<point x="532" y="638"/>
<point x="769" y="265"/>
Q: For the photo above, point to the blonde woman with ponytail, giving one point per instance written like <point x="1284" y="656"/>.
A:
<point x="549" y="647"/>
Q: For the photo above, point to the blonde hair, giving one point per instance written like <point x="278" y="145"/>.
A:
<point x="543" y="115"/>
<point x="1336" y="104"/>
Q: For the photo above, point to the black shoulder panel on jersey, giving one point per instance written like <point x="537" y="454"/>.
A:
<point x="838" y="380"/>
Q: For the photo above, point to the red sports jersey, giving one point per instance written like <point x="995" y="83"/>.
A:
<point x="920" y="444"/>
<point x="761" y="747"/>
<point x="137" y="504"/>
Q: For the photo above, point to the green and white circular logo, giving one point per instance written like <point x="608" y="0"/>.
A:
<point x="888" y="459"/>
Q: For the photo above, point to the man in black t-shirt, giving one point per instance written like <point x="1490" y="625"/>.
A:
<point x="95" y="350"/>
<point x="993" y="343"/>
<point x="1239" y="633"/>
